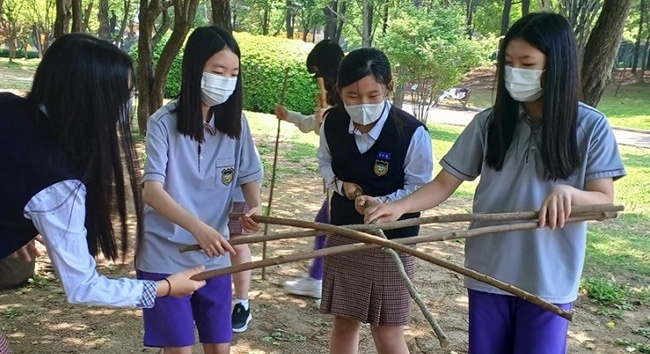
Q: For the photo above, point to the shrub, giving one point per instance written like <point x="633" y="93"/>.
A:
<point x="264" y="60"/>
<point x="20" y="54"/>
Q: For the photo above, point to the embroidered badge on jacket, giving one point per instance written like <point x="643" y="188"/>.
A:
<point x="227" y="175"/>
<point x="381" y="163"/>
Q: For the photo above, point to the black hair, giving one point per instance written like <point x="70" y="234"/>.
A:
<point x="202" y="44"/>
<point x="324" y="61"/>
<point x="552" y="35"/>
<point x="361" y="63"/>
<point x="83" y="82"/>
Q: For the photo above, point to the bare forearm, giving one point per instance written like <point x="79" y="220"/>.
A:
<point x="600" y="191"/>
<point x="251" y="191"/>
<point x="432" y="193"/>
<point x="156" y="197"/>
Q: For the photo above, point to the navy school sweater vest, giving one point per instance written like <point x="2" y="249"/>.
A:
<point x="379" y="171"/>
<point x="29" y="162"/>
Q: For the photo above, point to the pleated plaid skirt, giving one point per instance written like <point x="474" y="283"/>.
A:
<point x="235" y="226"/>
<point x="366" y="285"/>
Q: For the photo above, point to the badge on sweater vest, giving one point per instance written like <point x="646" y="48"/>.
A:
<point x="227" y="175"/>
<point x="381" y="163"/>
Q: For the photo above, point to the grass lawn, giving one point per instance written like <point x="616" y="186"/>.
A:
<point x="18" y="74"/>
<point x="630" y="109"/>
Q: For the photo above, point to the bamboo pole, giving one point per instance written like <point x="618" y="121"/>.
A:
<point x="403" y="248"/>
<point x="275" y="162"/>
<point x="322" y="93"/>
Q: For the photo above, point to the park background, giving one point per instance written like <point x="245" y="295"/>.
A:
<point x="434" y="45"/>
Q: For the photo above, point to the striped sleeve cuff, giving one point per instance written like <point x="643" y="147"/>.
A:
<point x="148" y="294"/>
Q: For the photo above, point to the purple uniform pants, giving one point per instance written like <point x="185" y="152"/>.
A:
<point x="316" y="269"/>
<point x="503" y="324"/>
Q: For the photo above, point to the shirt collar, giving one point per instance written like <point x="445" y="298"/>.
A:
<point x="376" y="130"/>
<point x="210" y="126"/>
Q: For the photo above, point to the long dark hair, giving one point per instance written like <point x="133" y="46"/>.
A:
<point x="552" y="35"/>
<point x="323" y="61"/>
<point x="83" y="82"/>
<point x="203" y="43"/>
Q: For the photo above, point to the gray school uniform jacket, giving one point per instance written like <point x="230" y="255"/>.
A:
<point x="201" y="180"/>
<point x="544" y="262"/>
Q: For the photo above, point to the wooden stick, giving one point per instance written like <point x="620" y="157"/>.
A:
<point x="275" y="163"/>
<point x="513" y="216"/>
<point x="322" y="93"/>
<point x="446" y="235"/>
<point x="400" y="247"/>
<point x="415" y="295"/>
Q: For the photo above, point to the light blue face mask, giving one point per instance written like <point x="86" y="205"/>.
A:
<point x="524" y="85"/>
<point x="216" y="89"/>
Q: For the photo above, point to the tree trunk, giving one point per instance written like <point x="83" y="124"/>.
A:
<point x="646" y="58"/>
<point x="330" y="20"/>
<point x="339" y="21"/>
<point x="37" y="40"/>
<point x="265" y="18"/>
<point x="505" y="16"/>
<point x="469" y="18"/>
<point x="151" y="81"/>
<point x="366" y="39"/>
<point x="221" y="14"/>
<point x="165" y="25"/>
<point x="103" y="32"/>
<point x="602" y="47"/>
<point x="59" y="22"/>
<point x="384" y="18"/>
<point x="76" y="16"/>
<point x="637" y="44"/>
<point x="525" y="7"/>
<point x="1" y="3"/>
<point x="288" y="19"/>
<point x="87" y="14"/>
<point x="125" y="21"/>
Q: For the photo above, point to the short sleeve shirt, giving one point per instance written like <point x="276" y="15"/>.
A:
<point x="542" y="261"/>
<point x="201" y="178"/>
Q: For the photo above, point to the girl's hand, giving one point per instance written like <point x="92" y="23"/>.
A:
<point x="281" y="112"/>
<point x="248" y="223"/>
<point x="28" y="252"/>
<point x="181" y="284"/>
<point x="319" y="113"/>
<point x="363" y="202"/>
<point x="211" y="241"/>
<point x="556" y="208"/>
<point x="383" y="212"/>
<point x="352" y="190"/>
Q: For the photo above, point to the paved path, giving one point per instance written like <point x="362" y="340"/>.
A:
<point x="462" y="118"/>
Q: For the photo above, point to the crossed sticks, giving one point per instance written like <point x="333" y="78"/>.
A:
<point x="523" y="221"/>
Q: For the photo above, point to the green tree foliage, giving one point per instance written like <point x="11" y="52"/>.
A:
<point x="264" y="60"/>
<point x="431" y="50"/>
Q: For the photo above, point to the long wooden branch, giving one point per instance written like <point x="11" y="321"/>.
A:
<point x="398" y="246"/>
<point x="512" y="216"/>
<point x="415" y="295"/>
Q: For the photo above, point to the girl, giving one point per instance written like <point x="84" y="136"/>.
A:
<point x="199" y="149"/>
<point x="372" y="149"/>
<point x="538" y="147"/>
<point x="323" y="61"/>
<point x="61" y="174"/>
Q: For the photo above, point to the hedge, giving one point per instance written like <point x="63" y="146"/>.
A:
<point x="264" y="60"/>
<point x="20" y="54"/>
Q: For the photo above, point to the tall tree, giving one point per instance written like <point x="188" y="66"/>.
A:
<point x="288" y="18"/>
<point x="221" y="13"/>
<point x="602" y="47"/>
<point x="104" y="26"/>
<point x="87" y="13"/>
<point x="637" y="44"/>
<point x="77" y="25"/>
<point x="60" y="23"/>
<point x="151" y="80"/>
<point x="125" y="20"/>
<point x="505" y="16"/>
<point x="525" y="7"/>
<point x="581" y="14"/>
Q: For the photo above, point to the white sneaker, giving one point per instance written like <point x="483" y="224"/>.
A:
<point x="304" y="286"/>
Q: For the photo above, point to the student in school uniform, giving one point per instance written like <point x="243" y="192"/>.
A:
<point x="370" y="152"/>
<point x="323" y="61"/>
<point x="199" y="150"/>
<point x="539" y="147"/>
<point x="62" y="176"/>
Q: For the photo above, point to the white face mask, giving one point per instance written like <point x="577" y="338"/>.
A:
<point x="524" y="85"/>
<point x="216" y="89"/>
<point x="365" y="113"/>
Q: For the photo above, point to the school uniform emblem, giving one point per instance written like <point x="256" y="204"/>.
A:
<point x="227" y="175"/>
<point x="381" y="163"/>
